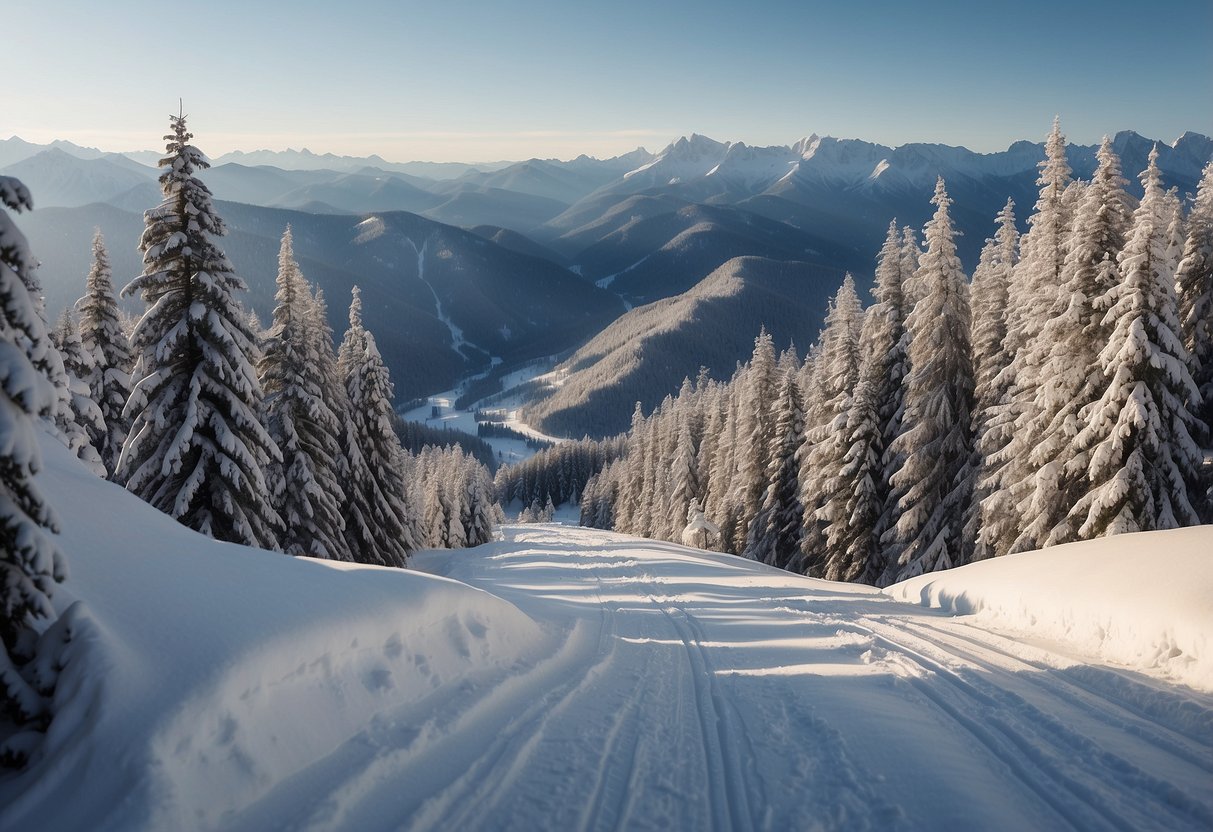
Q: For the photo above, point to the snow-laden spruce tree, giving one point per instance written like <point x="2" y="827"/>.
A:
<point x="755" y="431"/>
<point x="1071" y="377"/>
<point x="102" y="335"/>
<point x="988" y="299"/>
<point x="896" y="266"/>
<point x="305" y="488"/>
<point x="852" y="513"/>
<point x="1194" y="284"/>
<point x="1033" y="297"/>
<point x="836" y="373"/>
<point x="80" y="423"/>
<point x="775" y="532"/>
<point x="197" y="447"/>
<point x="1138" y="438"/>
<point x="379" y="525"/>
<point x="30" y="561"/>
<point x="933" y="487"/>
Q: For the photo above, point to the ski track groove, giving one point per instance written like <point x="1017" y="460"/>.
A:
<point x="723" y="768"/>
<point x="476" y="795"/>
<point x="618" y="687"/>
<point x="1015" y="720"/>
<point x="1082" y="697"/>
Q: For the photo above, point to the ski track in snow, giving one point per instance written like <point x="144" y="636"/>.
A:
<point x="685" y="690"/>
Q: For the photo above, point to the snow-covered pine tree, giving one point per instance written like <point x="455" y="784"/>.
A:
<point x="1070" y="374"/>
<point x="989" y="296"/>
<point x="755" y="429"/>
<point x="933" y="487"/>
<point x="197" y="446"/>
<point x="30" y="561"/>
<point x="103" y="336"/>
<point x="684" y="477"/>
<point x="851" y="514"/>
<point x="80" y="423"/>
<point x="1194" y="284"/>
<point x="305" y="487"/>
<point x="1138" y="437"/>
<point x="836" y="371"/>
<point x="384" y="536"/>
<point x="1033" y="297"/>
<point x="775" y="532"/>
<point x="894" y="289"/>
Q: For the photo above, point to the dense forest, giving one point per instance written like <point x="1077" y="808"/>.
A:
<point x="1065" y="393"/>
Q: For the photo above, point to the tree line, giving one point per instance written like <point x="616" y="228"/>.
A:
<point x="1064" y="393"/>
<point x="275" y="439"/>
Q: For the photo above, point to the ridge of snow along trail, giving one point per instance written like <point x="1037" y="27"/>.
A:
<point x="566" y="678"/>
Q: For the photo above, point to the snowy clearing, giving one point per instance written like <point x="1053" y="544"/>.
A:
<point x="510" y="451"/>
<point x="571" y="678"/>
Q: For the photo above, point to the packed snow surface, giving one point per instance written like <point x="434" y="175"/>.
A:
<point x="566" y="678"/>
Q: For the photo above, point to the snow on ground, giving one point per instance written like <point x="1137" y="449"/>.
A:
<point x="571" y="678"/>
<point x="509" y="450"/>
<point x="1141" y="600"/>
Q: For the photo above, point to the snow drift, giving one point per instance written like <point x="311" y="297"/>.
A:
<point x="1142" y="600"/>
<point x="212" y="672"/>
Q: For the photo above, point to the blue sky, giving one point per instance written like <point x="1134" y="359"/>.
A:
<point x="478" y="81"/>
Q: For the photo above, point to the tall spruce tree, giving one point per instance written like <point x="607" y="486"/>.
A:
<point x="1071" y="378"/>
<point x="102" y="335"/>
<point x="992" y="394"/>
<point x="852" y="513"/>
<point x="80" y="423"/>
<point x="196" y="448"/>
<point x="1033" y="297"/>
<point x="386" y="531"/>
<point x="933" y="487"/>
<point x="1194" y="284"/>
<point x="755" y="429"/>
<point x="1138" y="438"/>
<point x="30" y="561"/>
<point x="836" y="374"/>
<point x="305" y="487"/>
<point x="775" y="532"/>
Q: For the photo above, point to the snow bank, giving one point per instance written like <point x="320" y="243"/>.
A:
<point x="212" y="673"/>
<point x="1141" y="600"/>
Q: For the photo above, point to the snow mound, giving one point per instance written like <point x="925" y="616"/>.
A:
<point x="1141" y="600"/>
<point x="215" y="673"/>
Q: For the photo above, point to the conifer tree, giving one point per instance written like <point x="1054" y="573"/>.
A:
<point x="896" y="265"/>
<point x="197" y="447"/>
<point x="1070" y="375"/>
<point x="103" y="336"/>
<point x="989" y="298"/>
<point x="932" y="488"/>
<point x="837" y="372"/>
<point x="755" y="430"/>
<point x="1194" y="284"/>
<point x="852" y="513"/>
<point x="80" y="423"/>
<point x="1138" y="438"/>
<point x="30" y="561"/>
<point x="1033" y="297"/>
<point x="305" y="488"/>
<point x="384" y="533"/>
<point x="775" y="532"/>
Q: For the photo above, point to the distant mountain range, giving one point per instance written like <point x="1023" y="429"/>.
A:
<point x="642" y="226"/>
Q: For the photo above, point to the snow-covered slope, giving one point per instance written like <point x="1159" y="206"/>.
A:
<point x="1140" y="600"/>
<point x="592" y="681"/>
<point x="212" y="672"/>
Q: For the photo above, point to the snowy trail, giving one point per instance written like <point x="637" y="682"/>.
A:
<point x="696" y="691"/>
